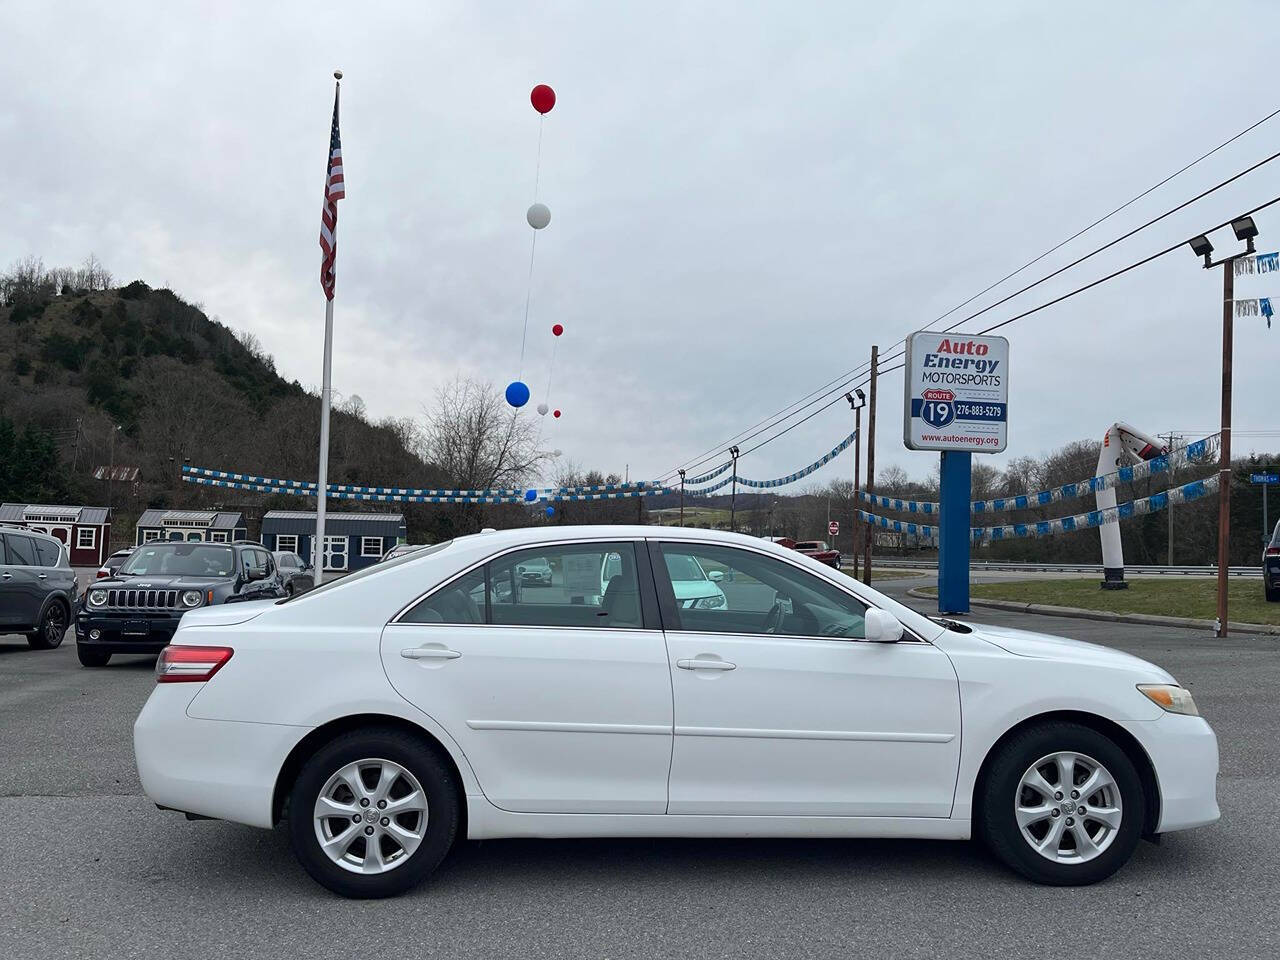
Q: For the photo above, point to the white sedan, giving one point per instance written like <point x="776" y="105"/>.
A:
<point x="385" y="714"/>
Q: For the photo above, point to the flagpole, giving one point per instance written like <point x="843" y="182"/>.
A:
<point x="326" y="391"/>
<point x="326" y="380"/>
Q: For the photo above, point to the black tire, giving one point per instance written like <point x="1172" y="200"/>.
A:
<point x="995" y="818"/>
<point x="413" y="754"/>
<point x="1273" y="596"/>
<point x="53" y="627"/>
<point x="89" y="657"/>
<point x="288" y="590"/>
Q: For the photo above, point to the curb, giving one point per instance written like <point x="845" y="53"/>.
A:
<point x="1080" y="613"/>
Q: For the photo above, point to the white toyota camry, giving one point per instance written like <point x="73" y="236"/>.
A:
<point x="438" y="695"/>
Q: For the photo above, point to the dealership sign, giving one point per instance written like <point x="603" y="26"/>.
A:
<point x="957" y="393"/>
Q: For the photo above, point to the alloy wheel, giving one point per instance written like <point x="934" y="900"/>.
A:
<point x="1068" y="807"/>
<point x="370" y="816"/>
<point x="55" y="625"/>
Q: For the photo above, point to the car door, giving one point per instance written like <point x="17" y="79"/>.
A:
<point x="9" y="589"/>
<point x="22" y="588"/>
<point x="559" y="694"/>
<point x="782" y="709"/>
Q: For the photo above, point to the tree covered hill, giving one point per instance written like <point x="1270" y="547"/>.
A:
<point x="95" y="375"/>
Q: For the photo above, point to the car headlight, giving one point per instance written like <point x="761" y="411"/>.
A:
<point x="97" y="598"/>
<point x="192" y="598"/>
<point x="709" y="603"/>
<point x="1170" y="697"/>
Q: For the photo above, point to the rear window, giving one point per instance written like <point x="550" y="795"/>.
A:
<point x="366" y="572"/>
<point x="47" y="553"/>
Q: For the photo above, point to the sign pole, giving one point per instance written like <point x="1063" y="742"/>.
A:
<point x="871" y="457"/>
<point x="1224" y="468"/>
<point x="953" y="531"/>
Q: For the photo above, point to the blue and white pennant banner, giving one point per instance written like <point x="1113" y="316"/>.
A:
<point x="1201" y="451"/>
<point x="839" y="448"/>
<point x="1082" y="521"/>
<point x="415" y="497"/>
<point x="709" y="476"/>
<point x="1255" y="308"/>
<point x="1259" y="263"/>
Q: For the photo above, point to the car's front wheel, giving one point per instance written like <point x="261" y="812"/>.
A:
<point x="53" y="626"/>
<point x="373" y="813"/>
<point x="89" y="657"/>
<point x="1062" y="804"/>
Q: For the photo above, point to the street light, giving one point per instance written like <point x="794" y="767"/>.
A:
<point x="733" y="497"/>
<point x="857" y="400"/>
<point x="1245" y="230"/>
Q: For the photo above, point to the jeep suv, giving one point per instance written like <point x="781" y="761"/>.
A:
<point x="37" y="586"/>
<point x="1271" y="567"/>
<point x="137" y="610"/>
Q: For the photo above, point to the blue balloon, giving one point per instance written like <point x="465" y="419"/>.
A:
<point x="517" y="393"/>
<point x="551" y="511"/>
<point x="531" y="495"/>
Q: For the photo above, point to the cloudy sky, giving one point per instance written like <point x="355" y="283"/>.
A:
<point x="745" y="197"/>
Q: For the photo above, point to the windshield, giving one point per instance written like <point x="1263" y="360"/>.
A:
<point x="681" y="566"/>
<point x="180" y="559"/>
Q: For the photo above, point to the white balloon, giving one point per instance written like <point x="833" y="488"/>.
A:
<point x="542" y="409"/>
<point x="555" y="453"/>
<point x="539" y="216"/>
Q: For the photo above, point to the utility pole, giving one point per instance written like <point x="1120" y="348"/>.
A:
<point x="733" y="496"/>
<point x="871" y="457"/>
<point x="856" y="405"/>
<point x="1172" y="440"/>
<point x="1245" y="230"/>
<point x="681" y="472"/>
<point x="75" y="451"/>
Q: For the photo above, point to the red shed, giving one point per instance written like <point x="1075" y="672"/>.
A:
<point x="85" y="530"/>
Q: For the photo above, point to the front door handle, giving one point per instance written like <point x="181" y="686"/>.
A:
<point x="42" y="576"/>
<point x="430" y="653"/>
<point x="706" y="665"/>
<point x="6" y="576"/>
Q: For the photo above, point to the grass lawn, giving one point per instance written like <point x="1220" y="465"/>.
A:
<point x="1194" y="597"/>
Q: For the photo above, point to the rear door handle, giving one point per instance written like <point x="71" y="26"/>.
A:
<point x="42" y="576"/>
<point x="430" y="653"/>
<point x="706" y="665"/>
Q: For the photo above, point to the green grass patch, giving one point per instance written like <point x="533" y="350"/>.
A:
<point x="1194" y="597"/>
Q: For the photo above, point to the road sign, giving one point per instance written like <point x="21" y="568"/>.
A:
<point x="833" y="527"/>
<point x="1264" y="478"/>
<point x="957" y="393"/>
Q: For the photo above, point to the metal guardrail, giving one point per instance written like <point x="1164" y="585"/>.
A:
<point x="997" y="566"/>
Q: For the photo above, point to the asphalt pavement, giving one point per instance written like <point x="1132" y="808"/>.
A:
<point x="92" y="869"/>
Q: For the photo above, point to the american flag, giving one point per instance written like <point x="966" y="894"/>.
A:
<point x="334" y="190"/>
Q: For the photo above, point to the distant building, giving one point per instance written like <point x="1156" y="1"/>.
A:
<point x="86" y="531"/>
<point x="352" y="541"/>
<point x="214" y="526"/>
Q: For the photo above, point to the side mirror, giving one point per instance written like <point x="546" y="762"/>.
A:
<point x="715" y="576"/>
<point x="881" y="626"/>
<point x="256" y="574"/>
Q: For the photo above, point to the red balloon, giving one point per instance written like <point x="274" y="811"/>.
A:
<point x="556" y="414"/>
<point x="543" y="98"/>
<point x="557" y="329"/>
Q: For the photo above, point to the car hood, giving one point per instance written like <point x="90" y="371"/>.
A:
<point x="1045" y="646"/>
<point x="162" y="582"/>
<point x="695" y="589"/>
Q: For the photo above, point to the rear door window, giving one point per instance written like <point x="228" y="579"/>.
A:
<point x="567" y="585"/>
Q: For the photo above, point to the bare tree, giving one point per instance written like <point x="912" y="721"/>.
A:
<point x="476" y="442"/>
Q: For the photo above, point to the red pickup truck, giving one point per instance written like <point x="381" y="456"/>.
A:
<point x="819" y="550"/>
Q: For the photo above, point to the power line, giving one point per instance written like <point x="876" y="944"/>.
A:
<point x="1026" y="313"/>
<point x="845" y="378"/>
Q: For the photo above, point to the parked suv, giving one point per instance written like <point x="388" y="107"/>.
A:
<point x="1271" y="567"/>
<point x="138" y="609"/>
<point x="37" y="587"/>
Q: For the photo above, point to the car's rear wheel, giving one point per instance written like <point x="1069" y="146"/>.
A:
<point x="1062" y="804"/>
<point x="89" y="657"/>
<point x="373" y="813"/>
<point x="53" y="626"/>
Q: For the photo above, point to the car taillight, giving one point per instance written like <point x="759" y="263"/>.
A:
<point x="1273" y="551"/>
<point x="103" y="573"/>
<point x="190" y="664"/>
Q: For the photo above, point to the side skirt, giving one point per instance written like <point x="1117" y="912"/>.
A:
<point x="487" y="822"/>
